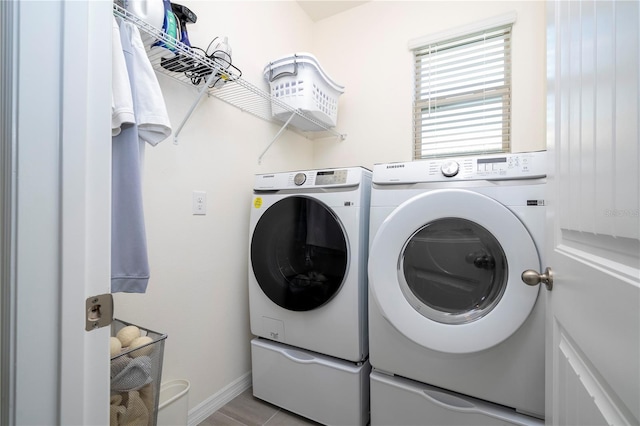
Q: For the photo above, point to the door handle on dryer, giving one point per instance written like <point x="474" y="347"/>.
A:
<point x="531" y="277"/>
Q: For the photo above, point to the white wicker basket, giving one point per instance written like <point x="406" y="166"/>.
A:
<point x="299" y="81"/>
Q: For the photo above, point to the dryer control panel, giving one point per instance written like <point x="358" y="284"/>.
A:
<point x="528" y="165"/>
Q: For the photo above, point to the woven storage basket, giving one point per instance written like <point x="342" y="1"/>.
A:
<point x="299" y="81"/>
<point x="135" y="379"/>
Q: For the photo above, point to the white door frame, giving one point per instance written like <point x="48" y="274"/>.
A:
<point x="56" y="172"/>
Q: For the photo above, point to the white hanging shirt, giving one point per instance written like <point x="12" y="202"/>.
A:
<point x="151" y="112"/>
<point x="121" y="101"/>
<point x="150" y="109"/>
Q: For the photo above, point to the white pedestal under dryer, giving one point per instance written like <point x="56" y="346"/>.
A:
<point x="308" y="289"/>
<point x="450" y="239"/>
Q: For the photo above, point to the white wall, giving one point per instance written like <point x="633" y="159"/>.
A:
<point x="365" y="49"/>
<point x="198" y="290"/>
<point x="197" y="293"/>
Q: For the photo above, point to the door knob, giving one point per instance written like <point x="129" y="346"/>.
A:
<point x="531" y="277"/>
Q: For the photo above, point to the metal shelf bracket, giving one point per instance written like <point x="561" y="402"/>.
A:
<point x="276" y="137"/>
<point x="201" y="92"/>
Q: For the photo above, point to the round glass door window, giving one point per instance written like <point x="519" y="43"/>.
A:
<point x="453" y="271"/>
<point x="299" y="253"/>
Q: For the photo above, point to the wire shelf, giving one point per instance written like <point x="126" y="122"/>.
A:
<point x="216" y="78"/>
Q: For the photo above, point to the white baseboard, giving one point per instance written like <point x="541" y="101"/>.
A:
<point x="216" y="401"/>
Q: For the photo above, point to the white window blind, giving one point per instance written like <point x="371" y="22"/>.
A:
<point x="463" y="94"/>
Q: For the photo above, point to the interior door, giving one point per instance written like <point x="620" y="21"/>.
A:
<point x="593" y="324"/>
<point x="56" y="210"/>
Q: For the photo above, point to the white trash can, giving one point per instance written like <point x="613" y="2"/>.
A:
<point x="173" y="407"/>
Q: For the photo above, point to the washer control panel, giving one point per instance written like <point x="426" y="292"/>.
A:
<point x="489" y="167"/>
<point x="322" y="177"/>
<point x="351" y="176"/>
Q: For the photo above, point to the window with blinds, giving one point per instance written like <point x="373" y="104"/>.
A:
<point x="463" y="94"/>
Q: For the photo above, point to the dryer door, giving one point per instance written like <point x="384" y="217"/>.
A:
<point x="299" y="253"/>
<point x="445" y="267"/>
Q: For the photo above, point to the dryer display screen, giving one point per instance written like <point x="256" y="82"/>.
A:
<point x="331" y="177"/>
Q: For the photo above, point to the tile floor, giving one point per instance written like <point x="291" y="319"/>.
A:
<point x="247" y="410"/>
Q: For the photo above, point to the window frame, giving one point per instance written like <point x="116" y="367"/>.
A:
<point x="428" y="105"/>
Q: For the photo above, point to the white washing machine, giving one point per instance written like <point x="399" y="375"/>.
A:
<point x="308" y="293"/>
<point x="450" y="239"/>
<point x="307" y="265"/>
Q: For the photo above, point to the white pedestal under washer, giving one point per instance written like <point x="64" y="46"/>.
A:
<point x="447" y="307"/>
<point x="307" y="266"/>
<point x="328" y="390"/>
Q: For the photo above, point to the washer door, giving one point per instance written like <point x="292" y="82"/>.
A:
<point x="445" y="267"/>
<point x="299" y="253"/>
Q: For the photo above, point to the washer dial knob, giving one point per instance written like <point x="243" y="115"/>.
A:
<point x="299" y="179"/>
<point x="450" y="168"/>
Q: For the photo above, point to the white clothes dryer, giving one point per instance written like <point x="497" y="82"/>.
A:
<point x="307" y="265"/>
<point x="450" y="239"/>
